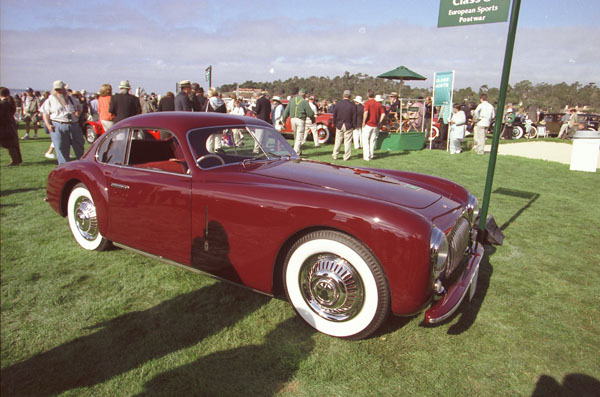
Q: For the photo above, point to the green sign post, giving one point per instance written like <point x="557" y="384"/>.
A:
<point x="472" y="12"/>
<point x="208" y="74"/>
<point x="447" y="6"/>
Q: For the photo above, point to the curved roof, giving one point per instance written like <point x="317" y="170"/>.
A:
<point x="185" y="121"/>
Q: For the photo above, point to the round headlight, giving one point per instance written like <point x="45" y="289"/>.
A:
<point x="439" y="249"/>
<point x="473" y="207"/>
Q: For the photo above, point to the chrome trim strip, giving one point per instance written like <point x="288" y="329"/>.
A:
<point x="186" y="267"/>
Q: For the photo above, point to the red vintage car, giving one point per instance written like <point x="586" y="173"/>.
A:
<point x="347" y="246"/>
<point x="92" y="130"/>
<point x="323" y="126"/>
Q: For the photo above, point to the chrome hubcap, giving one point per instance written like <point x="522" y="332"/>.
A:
<point x="332" y="287"/>
<point x="85" y="218"/>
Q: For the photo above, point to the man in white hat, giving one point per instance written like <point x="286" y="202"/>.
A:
<point x="60" y="113"/>
<point x="357" y="134"/>
<point x="123" y="104"/>
<point x="182" y="99"/>
<point x="309" y="126"/>
<point x="277" y="112"/>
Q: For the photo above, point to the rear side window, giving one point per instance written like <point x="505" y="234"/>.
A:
<point x="114" y="148"/>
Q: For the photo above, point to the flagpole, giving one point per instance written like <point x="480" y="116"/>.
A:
<point x="510" y="42"/>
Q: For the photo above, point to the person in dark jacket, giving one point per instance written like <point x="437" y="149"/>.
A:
<point x="197" y="97"/>
<point x="123" y="104"/>
<point x="263" y="108"/>
<point x="344" y="117"/>
<point x="166" y="103"/>
<point x="9" y="138"/>
<point x="182" y="100"/>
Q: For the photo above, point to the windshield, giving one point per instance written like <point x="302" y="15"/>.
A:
<point x="227" y="145"/>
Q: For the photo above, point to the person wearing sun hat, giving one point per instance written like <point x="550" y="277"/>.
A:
<point x="60" y="113"/>
<point x="182" y="99"/>
<point x="394" y="103"/>
<point x="277" y="112"/>
<point x="123" y="104"/>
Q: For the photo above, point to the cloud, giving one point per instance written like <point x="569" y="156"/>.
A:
<point x="155" y="46"/>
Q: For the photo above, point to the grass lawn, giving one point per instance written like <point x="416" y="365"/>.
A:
<point x="117" y="323"/>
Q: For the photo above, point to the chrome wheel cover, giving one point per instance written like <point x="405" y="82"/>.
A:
<point x="331" y="287"/>
<point x="84" y="213"/>
<point x="90" y="134"/>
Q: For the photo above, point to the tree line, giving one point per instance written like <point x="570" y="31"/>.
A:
<point x="549" y="97"/>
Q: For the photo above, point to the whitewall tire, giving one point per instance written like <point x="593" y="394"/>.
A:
<point x="323" y="134"/>
<point x="336" y="285"/>
<point x="83" y="220"/>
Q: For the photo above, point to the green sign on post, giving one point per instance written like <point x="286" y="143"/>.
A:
<point x="442" y="92"/>
<point x="472" y="12"/>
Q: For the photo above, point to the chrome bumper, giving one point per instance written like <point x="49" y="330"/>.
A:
<point x="457" y="292"/>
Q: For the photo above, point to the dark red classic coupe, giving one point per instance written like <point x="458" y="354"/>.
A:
<point x="227" y="195"/>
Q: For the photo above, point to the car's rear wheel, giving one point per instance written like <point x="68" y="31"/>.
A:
<point x="90" y="133"/>
<point x="83" y="220"/>
<point x="435" y="132"/>
<point x="322" y="133"/>
<point x="336" y="285"/>
<point x="532" y="133"/>
<point x="517" y="132"/>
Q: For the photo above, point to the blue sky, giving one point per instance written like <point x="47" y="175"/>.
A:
<point x="156" y="43"/>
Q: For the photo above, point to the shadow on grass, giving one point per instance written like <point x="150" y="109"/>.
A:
<point x="128" y="341"/>
<point x="261" y="369"/>
<point x="469" y="310"/>
<point x="573" y="385"/>
<point x="5" y="193"/>
<point x="532" y="197"/>
<point x="391" y="153"/>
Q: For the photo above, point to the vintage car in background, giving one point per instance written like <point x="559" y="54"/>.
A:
<point x="92" y="130"/>
<point x="347" y="246"/>
<point x="553" y="121"/>
<point x="323" y="126"/>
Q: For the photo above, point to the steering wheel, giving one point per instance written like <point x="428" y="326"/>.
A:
<point x="210" y="156"/>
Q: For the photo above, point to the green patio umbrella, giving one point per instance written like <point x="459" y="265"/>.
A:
<point x="402" y="73"/>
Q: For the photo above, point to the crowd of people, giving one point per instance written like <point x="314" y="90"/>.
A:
<point x="64" y="112"/>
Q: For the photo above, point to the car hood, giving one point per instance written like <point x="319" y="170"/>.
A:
<point x="355" y="181"/>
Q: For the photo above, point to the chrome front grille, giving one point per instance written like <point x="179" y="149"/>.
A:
<point x="458" y="239"/>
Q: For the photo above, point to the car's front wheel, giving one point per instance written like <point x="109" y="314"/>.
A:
<point x="336" y="285"/>
<point x="83" y="220"/>
<point x="90" y="133"/>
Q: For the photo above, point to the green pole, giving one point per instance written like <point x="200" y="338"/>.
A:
<point x="510" y="42"/>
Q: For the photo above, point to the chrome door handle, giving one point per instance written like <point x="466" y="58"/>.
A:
<point x="119" y="186"/>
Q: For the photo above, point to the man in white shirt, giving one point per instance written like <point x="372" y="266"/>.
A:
<point x="484" y="113"/>
<point x="311" y="127"/>
<point x="277" y="112"/>
<point x="60" y="113"/>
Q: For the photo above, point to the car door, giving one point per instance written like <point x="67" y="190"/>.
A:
<point x="150" y="201"/>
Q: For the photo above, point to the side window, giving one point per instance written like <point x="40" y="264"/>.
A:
<point x="156" y="150"/>
<point x="114" y="148"/>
